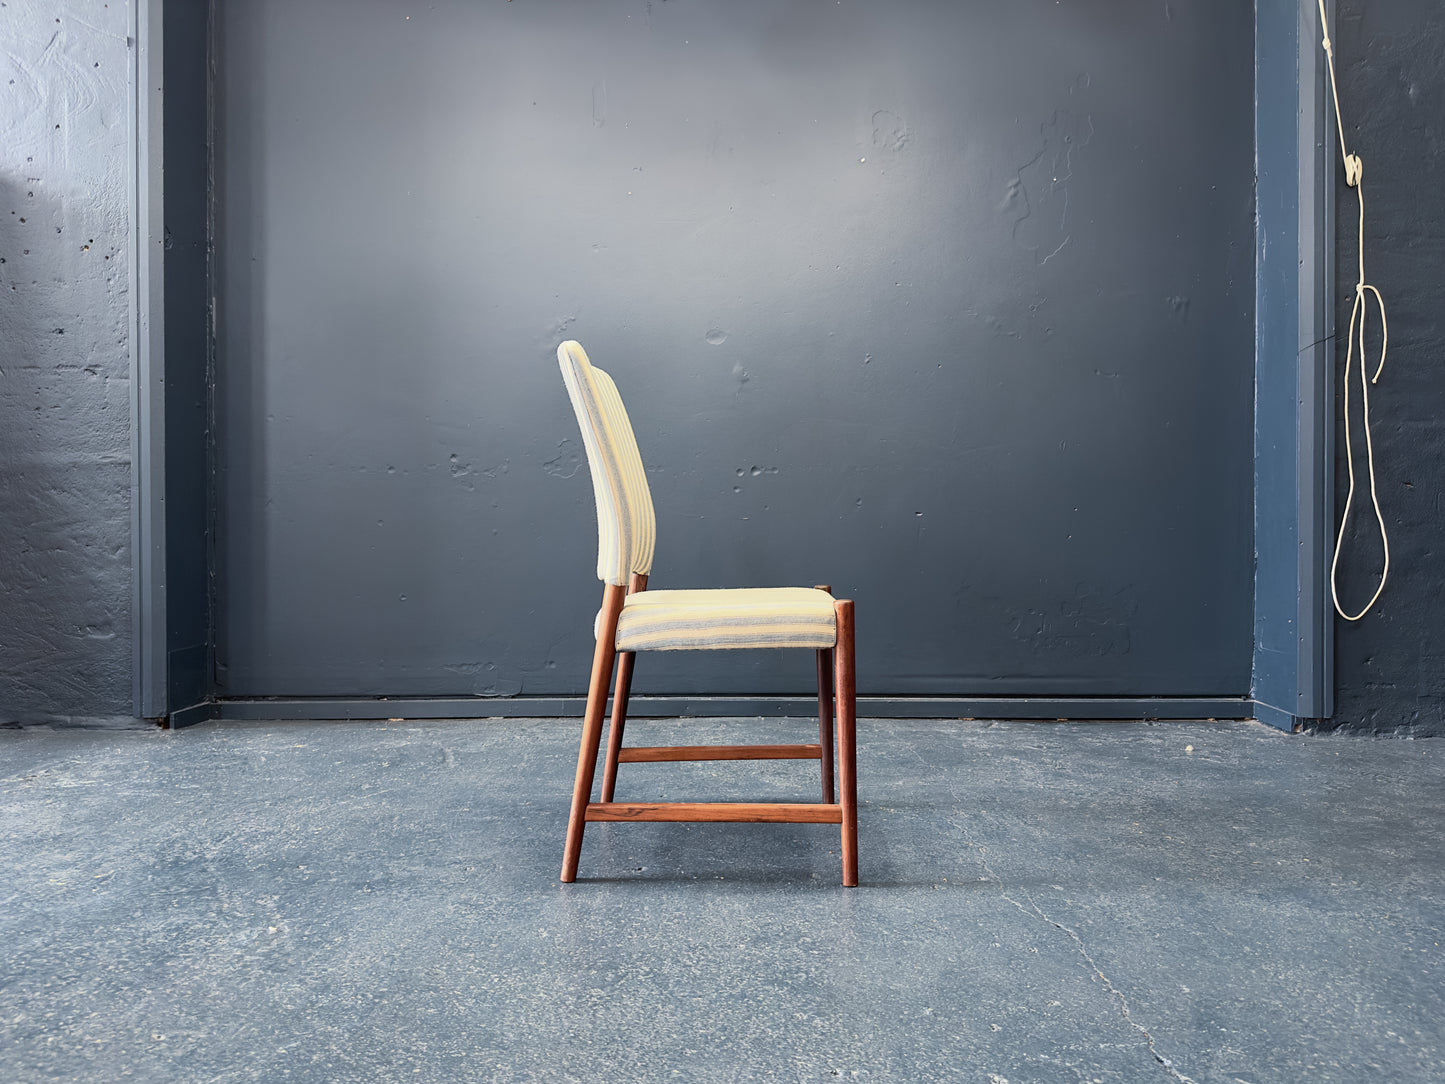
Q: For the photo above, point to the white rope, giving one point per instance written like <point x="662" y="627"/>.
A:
<point x="1354" y="177"/>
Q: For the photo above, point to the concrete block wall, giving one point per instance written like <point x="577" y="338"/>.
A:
<point x="1390" y="666"/>
<point x="65" y="429"/>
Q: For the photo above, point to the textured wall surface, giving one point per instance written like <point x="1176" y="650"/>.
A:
<point x="64" y="442"/>
<point x="1390" y="667"/>
<point x="65" y="542"/>
<point x="947" y="305"/>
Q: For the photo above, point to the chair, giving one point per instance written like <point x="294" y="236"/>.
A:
<point x="634" y="619"/>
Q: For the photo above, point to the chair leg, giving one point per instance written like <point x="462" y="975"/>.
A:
<point x="825" y="720"/>
<point x="845" y="689"/>
<point x="602" y="659"/>
<point x="825" y="712"/>
<point x="625" y="660"/>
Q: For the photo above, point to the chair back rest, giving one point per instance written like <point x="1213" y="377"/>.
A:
<point x="626" y="525"/>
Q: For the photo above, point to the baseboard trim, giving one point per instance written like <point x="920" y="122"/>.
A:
<point x="80" y="722"/>
<point x="1277" y="718"/>
<point x="285" y="709"/>
<point x="204" y="712"/>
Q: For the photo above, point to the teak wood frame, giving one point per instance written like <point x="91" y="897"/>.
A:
<point x="837" y="686"/>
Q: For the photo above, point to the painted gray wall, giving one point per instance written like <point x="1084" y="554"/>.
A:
<point x="65" y="476"/>
<point x="1390" y="667"/>
<point x="948" y="305"/>
<point x="65" y="438"/>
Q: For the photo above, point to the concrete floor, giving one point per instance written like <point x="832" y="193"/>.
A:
<point x="328" y="902"/>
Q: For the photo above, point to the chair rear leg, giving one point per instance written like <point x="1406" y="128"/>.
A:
<point x="602" y="660"/>
<point x="825" y="719"/>
<point x="625" y="660"/>
<point x="845" y="690"/>
<point x="825" y="712"/>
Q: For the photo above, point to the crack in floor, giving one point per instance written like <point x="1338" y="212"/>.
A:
<point x="1166" y="1064"/>
<point x="1033" y="908"/>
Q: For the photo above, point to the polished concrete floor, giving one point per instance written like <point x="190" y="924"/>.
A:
<point x="328" y="902"/>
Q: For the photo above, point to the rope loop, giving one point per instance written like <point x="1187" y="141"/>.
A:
<point x="1354" y="175"/>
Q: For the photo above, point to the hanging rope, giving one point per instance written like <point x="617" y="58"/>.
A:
<point x="1354" y="177"/>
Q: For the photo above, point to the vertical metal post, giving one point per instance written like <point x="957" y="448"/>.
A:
<point x="1315" y="697"/>
<point x="1294" y="435"/>
<point x="147" y="360"/>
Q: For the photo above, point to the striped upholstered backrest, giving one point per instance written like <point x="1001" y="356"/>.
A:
<point x="626" y="527"/>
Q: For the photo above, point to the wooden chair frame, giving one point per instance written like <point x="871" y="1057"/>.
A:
<point x="836" y="687"/>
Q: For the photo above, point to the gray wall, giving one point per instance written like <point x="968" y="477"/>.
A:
<point x="1390" y="667"/>
<point x="65" y="476"/>
<point x="949" y="305"/>
<point x="65" y="439"/>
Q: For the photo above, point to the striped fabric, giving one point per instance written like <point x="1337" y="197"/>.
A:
<point x="626" y="526"/>
<point x="739" y="618"/>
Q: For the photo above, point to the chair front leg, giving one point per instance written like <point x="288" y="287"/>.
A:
<point x="845" y="687"/>
<point x="602" y="660"/>
<point x="625" y="661"/>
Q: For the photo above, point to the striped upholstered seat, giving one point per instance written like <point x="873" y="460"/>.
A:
<point x="634" y="619"/>
<point x="738" y="618"/>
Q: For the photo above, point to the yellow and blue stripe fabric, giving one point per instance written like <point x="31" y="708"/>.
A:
<point x="749" y="617"/>
<point x="626" y="525"/>
<point x="743" y="617"/>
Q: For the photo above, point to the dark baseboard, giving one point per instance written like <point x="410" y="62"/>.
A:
<point x="279" y="709"/>
<point x="80" y="722"/>
<point x="1277" y="718"/>
<point x="204" y="712"/>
